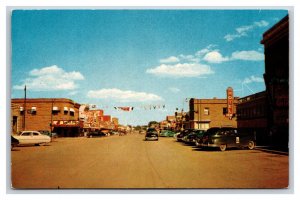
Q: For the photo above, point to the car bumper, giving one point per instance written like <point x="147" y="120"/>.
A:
<point x="208" y="145"/>
<point x="151" y="138"/>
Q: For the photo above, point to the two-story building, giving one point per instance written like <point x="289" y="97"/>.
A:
<point x="207" y="113"/>
<point x="57" y="115"/>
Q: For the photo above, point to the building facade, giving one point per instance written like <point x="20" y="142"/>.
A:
<point x="252" y="114"/>
<point x="15" y="118"/>
<point x="276" y="76"/>
<point x="206" y="113"/>
<point x="57" y="115"/>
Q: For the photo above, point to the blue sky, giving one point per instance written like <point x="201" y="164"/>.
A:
<point x="139" y="58"/>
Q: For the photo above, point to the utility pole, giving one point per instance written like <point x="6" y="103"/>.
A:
<point x="51" y="121"/>
<point x="25" y="110"/>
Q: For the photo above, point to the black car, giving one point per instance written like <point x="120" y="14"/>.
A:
<point x="193" y="136"/>
<point x="224" y="138"/>
<point x="183" y="134"/>
<point x="96" y="133"/>
<point x="151" y="134"/>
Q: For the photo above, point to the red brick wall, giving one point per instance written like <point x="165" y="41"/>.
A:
<point x="42" y="118"/>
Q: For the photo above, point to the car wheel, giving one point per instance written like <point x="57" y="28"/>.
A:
<point x="251" y="145"/>
<point x="223" y="147"/>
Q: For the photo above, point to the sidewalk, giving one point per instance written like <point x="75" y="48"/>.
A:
<point x="274" y="149"/>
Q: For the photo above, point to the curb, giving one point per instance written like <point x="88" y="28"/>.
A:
<point x="272" y="151"/>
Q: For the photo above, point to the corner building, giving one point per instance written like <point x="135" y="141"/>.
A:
<point x="276" y="76"/>
<point x="208" y="113"/>
<point x="57" y="115"/>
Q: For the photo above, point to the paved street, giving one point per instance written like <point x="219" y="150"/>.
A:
<point x="131" y="162"/>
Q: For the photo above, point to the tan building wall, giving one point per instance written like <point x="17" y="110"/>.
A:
<point x="15" y="118"/>
<point x="39" y="114"/>
<point x="207" y="113"/>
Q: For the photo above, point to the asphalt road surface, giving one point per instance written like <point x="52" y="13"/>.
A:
<point x="130" y="162"/>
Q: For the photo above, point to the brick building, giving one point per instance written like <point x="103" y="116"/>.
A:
<point x="94" y="119"/>
<point x="15" y="117"/>
<point x="252" y="114"/>
<point x="276" y="76"/>
<point x="58" y="115"/>
<point x="267" y="112"/>
<point x="206" y="113"/>
<point x="168" y="123"/>
<point x="115" y="122"/>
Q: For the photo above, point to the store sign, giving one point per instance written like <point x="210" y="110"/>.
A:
<point x="229" y="102"/>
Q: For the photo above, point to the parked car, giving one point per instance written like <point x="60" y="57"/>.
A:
<point x="46" y="132"/>
<point x="151" y="134"/>
<point x="193" y="136"/>
<point x="167" y="133"/>
<point x="96" y="133"/>
<point x="224" y="138"/>
<point x="183" y="133"/>
<point x="32" y="137"/>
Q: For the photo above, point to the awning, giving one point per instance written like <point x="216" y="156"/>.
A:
<point x="21" y="109"/>
<point x="55" y="108"/>
<point x="66" y="109"/>
<point x="72" y="110"/>
<point x="33" y="108"/>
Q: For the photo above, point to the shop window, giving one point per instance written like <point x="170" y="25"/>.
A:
<point x="204" y="126"/>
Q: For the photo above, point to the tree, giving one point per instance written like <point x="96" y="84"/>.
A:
<point x="153" y="124"/>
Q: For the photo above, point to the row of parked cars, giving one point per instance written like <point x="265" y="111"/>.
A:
<point x="218" y="137"/>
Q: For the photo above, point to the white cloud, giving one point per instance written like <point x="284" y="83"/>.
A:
<point x="230" y="37"/>
<point x="243" y="30"/>
<point x="171" y="59"/>
<point x="123" y="96"/>
<point x="214" y="57"/>
<point x="50" y="79"/>
<point x="247" y="55"/>
<point x="189" y="58"/>
<point x="206" y="50"/>
<point x="252" y="79"/>
<point x="174" y="89"/>
<point x="181" y="70"/>
<point x="261" y="23"/>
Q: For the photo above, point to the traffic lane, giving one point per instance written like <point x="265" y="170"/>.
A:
<point x="193" y="168"/>
<point x="110" y="162"/>
<point x="131" y="162"/>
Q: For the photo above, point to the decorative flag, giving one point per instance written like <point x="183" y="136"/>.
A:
<point x="124" y="108"/>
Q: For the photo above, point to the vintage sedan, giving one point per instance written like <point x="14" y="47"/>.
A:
<point x="167" y="133"/>
<point x="224" y="138"/>
<point x="192" y="137"/>
<point x="151" y="134"/>
<point x="32" y="137"/>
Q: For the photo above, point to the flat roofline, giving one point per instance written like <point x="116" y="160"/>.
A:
<point x="41" y="100"/>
